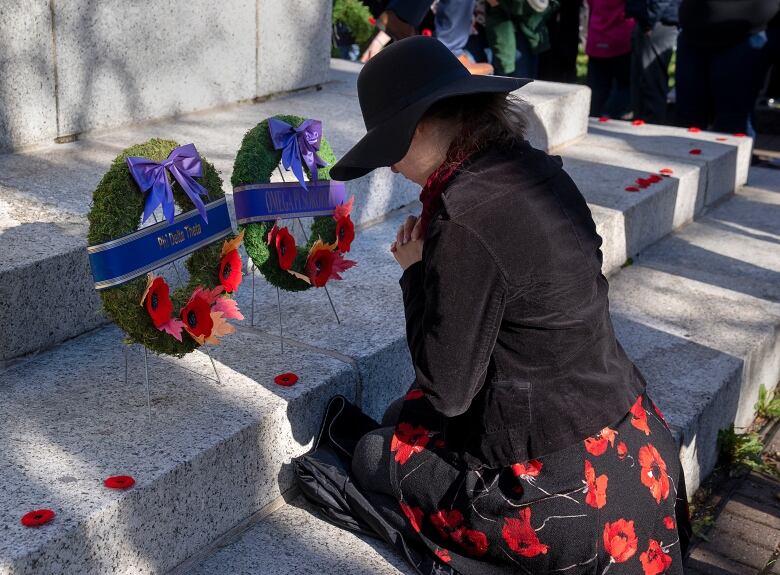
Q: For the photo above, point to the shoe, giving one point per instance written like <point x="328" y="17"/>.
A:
<point x="396" y="28"/>
<point x="476" y="68"/>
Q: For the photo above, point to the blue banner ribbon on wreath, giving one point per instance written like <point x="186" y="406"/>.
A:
<point x="123" y="259"/>
<point x="271" y="201"/>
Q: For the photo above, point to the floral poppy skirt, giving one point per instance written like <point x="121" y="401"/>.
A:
<point x="614" y="503"/>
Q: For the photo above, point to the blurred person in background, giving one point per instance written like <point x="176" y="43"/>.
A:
<point x="722" y="56"/>
<point x="609" y="58"/>
<point x="653" y="42"/>
<point x="559" y="63"/>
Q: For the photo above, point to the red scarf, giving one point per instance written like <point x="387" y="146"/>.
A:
<point x="437" y="182"/>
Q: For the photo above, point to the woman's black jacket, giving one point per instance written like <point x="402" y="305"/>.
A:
<point x="507" y="314"/>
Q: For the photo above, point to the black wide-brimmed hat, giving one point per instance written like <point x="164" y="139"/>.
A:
<point x="395" y="88"/>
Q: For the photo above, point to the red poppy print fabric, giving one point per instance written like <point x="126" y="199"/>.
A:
<point x="608" y="504"/>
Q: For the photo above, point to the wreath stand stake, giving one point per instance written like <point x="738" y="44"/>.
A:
<point x="146" y="377"/>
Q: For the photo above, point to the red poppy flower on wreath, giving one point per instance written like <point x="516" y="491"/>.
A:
<point x="622" y="450"/>
<point x="284" y="243"/>
<point x="196" y="316"/>
<point x="443" y="555"/>
<point x="230" y="265"/>
<point x="695" y="152"/>
<point x="654" y="475"/>
<point x="655" y="560"/>
<point x="323" y="264"/>
<point x="639" y="416"/>
<point x="37" y="518"/>
<point x="597" y="444"/>
<point x="669" y="522"/>
<point x="413" y="514"/>
<point x="521" y="537"/>
<point x="119" y="482"/>
<point x="529" y="469"/>
<point x="408" y="440"/>
<point x="157" y="300"/>
<point x="345" y="229"/>
<point x="413" y="394"/>
<point x="620" y="540"/>
<point x="372" y="20"/>
<point x="596" y="487"/>
<point x="286" y="379"/>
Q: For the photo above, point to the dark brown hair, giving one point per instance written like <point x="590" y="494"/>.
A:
<point x="487" y="120"/>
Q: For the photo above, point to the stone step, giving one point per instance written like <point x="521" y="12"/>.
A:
<point x="45" y="194"/>
<point x="698" y="312"/>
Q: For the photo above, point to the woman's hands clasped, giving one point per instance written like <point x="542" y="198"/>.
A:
<point x="408" y="244"/>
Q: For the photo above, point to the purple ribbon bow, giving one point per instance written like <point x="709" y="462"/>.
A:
<point x="184" y="164"/>
<point x="298" y="145"/>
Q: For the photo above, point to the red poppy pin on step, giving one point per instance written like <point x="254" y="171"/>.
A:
<point x="694" y="129"/>
<point x="632" y="189"/>
<point x="286" y="379"/>
<point x="667" y="171"/>
<point x="695" y="152"/>
<point x="739" y="135"/>
<point x="638" y="123"/>
<point x="721" y="139"/>
<point x="119" y="482"/>
<point x="604" y="119"/>
<point x="37" y="518"/>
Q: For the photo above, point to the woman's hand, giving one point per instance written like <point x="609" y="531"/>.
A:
<point x="408" y="244"/>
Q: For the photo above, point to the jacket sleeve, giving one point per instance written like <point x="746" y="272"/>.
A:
<point x="454" y="302"/>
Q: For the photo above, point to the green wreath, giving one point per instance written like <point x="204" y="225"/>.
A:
<point x="117" y="208"/>
<point x="255" y="162"/>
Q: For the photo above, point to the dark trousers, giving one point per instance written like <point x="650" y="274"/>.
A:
<point x="719" y="84"/>
<point x="559" y="63"/>
<point x="650" y="57"/>
<point x="610" y="82"/>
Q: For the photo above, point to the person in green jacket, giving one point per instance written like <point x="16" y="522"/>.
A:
<point x="514" y="25"/>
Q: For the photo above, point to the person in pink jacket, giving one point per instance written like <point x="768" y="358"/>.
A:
<point x="609" y="57"/>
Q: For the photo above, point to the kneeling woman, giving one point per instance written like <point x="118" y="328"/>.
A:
<point x="527" y="443"/>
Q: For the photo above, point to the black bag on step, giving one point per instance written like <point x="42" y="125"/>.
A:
<point x="324" y="478"/>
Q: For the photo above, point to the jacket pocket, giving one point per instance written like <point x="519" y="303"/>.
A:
<point x="507" y="405"/>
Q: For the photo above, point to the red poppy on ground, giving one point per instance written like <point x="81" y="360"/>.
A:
<point x="695" y="151"/>
<point x="654" y="178"/>
<point x="196" y="316"/>
<point x="286" y="379"/>
<point x="37" y="518"/>
<point x="721" y="139"/>
<point x="654" y="475"/>
<point x="604" y="119"/>
<point x="622" y="450"/>
<point x="694" y="129"/>
<point x="620" y="540"/>
<point x="638" y="123"/>
<point x="740" y="135"/>
<point x="372" y="20"/>
<point x="427" y="32"/>
<point x="669" y="522"/>
<point x="667" y="171"/>
<point x="521" y="537"/>
<point x="643" y="182"/>
<point x="413" y="514"/>
<point x="285" y="248"/>
<point x="597" y="444"/>
<point x="474" y="542"/>
<point x="414" y="394"/>
<point x="408" y="440"/>
<point x="119" y="482"/>
<point x="639" y="416"/>
<point x="443" y="555"/>
<point x="528" y="469"/>
<point x="230" y="271"/>
<point x="158" y="302"/>
<point x="632" y="189"/>
<point x="447" y="522"/>
<point x="655" y="560"/>
<point x="596" y="493"/>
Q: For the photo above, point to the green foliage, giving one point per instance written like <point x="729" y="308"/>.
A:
<point x="740" y="452"/>
<point x="117" y="208"/>
<point x="255" y="162"/>
<point x="354" y="15"/>
<point x="767" y="406"/>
